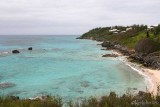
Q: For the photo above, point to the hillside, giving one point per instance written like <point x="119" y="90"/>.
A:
<point x="140" y="42"/>
<point x="128" y="36"/>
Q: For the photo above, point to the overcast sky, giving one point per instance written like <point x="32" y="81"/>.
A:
<point x="73" y="16"/>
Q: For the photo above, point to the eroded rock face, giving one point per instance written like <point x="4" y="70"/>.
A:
<point x="6" y="85"/>
<point x="15" y="52"/>
<point x="149" y="60"/>
<point x="153" y="60"/>
<point x="107" y="44"/>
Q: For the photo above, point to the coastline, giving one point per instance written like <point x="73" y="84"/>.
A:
<point x="151" y="75"/>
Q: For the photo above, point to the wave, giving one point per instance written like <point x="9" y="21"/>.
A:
<point x="5" y="53"/>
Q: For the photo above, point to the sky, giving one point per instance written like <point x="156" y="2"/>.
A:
<point x="75" y="17"/>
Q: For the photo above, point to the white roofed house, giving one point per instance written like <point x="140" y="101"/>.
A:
<point x="129" y="28"/>
<point x="113" y="30"/>
<point x="150" y="28"/>
<point x="123" y="31"/>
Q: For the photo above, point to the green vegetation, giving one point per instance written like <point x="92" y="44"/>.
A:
<point x="142" y="99"/>
<point x="147" y="45"/>
<point x="128" y="36"/>
<point x="48" y="102"/>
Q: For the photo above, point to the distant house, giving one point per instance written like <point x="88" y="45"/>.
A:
<point x="151" y="27"/>
<point x="129" y="28"/>
<point x="113" y="30"/>
<point x="123" y="31"/>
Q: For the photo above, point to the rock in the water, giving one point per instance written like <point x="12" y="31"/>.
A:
<point x="6" y="85"/>
<point x="15" y="51"/>
<point x="110" y="55"/>
<point x="30" y="48"/>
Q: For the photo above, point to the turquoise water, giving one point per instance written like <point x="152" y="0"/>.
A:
<point x="63" y="66"/>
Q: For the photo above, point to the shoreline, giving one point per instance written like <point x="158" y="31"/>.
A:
<point x="151" y="75"/>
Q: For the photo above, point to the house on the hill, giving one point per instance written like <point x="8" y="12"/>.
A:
<point x="129" y="28"/>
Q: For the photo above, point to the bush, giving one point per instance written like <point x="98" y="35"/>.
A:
<point x="147" y="46"/>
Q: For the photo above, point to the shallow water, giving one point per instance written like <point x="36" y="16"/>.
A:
<point x="63" y="66"/>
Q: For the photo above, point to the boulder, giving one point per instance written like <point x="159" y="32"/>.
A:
<point x="15" y="51"/>
<point x="30" y="48"/>
<point x="110" y="55"/>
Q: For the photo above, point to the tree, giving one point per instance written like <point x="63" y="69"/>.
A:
<point x="147" y="35"/>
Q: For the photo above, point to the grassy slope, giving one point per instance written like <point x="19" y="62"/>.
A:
<point x="128" y="39"/>
<point x="131" y="42"/>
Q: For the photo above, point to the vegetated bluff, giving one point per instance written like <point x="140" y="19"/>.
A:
<point x="140" y="42"/>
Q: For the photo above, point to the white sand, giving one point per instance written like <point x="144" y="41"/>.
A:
<point x="152" y="75"/>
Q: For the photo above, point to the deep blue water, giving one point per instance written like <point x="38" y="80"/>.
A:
<point x="63" y="66"/>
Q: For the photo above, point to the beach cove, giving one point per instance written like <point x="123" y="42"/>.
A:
<point x="63" y="66"/>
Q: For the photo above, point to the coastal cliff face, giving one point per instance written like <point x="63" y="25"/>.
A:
<point x="139" y="43"/>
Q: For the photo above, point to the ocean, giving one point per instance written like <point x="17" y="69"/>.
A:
<point x="61" y="65"/>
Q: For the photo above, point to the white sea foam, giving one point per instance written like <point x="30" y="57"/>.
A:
<point x="4" y="53"/>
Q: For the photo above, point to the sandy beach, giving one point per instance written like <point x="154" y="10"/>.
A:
<point x="152" y="75"/>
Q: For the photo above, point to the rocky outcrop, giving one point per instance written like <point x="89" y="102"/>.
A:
<point x="30" y="48"/>
<point x="110" y="55"/>
<point x="15" y="51"/>
<point x="152" y="60"/>
<point x="115" y="45"/>
<point x="145" y="51"/>
<point x="108" y="45"/>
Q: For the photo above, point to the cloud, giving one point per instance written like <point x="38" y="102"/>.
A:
<point x="73" y="16"/>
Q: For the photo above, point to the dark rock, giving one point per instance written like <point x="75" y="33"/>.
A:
<point x="108" y="44"/>
<point x="103" y="49"/>
<point x="153" y="60"/>
<point x="79" y="38"/>
<point x="110" y="55"/>
<point x="15" y="51"/>
<point x="30" y="48"/>
<point x="6" y="85"/>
